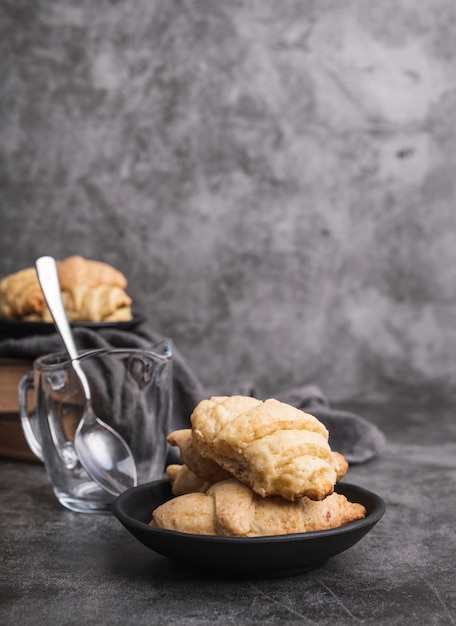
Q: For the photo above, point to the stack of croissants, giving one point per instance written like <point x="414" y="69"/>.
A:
<point x="92" y="291"/>
<point x="254" y="468"/>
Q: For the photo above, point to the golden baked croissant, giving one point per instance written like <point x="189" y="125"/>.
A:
<point x="20" y="294"/>
<point x="208" y="471"/>
<point x="232" y="509"/>
<point x="76" y="270"/>
<point x="21" y="297"/>
<point x="102" y="303"/>
<point x="271" y="446"/>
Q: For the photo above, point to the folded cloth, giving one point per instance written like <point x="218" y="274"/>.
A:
<point x="355" y="437"/>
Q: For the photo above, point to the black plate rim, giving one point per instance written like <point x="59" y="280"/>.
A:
<point x="33" y="328"/>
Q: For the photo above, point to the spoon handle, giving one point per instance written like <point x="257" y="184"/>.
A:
<point x="46" y="268"/>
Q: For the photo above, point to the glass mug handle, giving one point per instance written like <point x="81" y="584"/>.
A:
<point x="29" y="421"/>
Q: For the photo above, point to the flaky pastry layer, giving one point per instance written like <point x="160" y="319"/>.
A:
<point x="271" y="446"/>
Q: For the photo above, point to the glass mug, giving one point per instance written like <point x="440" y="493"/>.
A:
<point x="131" y="391"/>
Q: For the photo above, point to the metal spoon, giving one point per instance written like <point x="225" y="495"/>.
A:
<point x="102" y="452"/>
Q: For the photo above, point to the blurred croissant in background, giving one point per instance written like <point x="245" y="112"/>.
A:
<point x="92" y="291"/>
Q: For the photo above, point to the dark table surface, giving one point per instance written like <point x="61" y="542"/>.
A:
<point x="59" y="567"/>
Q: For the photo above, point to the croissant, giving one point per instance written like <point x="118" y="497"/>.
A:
<point x="208" y="471"/>
<point x="205" y="469"/>
<point x="21" y="297"/>
<point x="232" y="509"/>
<point x="102" y="303"/>
<point x="76" y="270"/>
<point x="273" y="447"/>
<point x="183" y="480"/>
<point x="20" y="294"/>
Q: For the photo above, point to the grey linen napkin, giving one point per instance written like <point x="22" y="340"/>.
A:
<point x="355" y="437"/>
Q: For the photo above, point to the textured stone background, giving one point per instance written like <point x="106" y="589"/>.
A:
<point x="276" y="179"/>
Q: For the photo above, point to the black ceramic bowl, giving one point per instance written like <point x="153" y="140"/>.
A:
<point x="280" y="555"/>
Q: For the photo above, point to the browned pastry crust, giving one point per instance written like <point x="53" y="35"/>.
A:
<point x="102" y="303"/>
<point x="205" y="469"/>
<point x="76" y="270"/>
<point x="183" y="480"/>
<point x="273" y="447"/>
<point x="21" y="295"/>
<point x="232" y="509"/>
<point x="341" y="464"/>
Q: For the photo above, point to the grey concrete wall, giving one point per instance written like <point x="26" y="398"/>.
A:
<point x="276" y="179"/>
